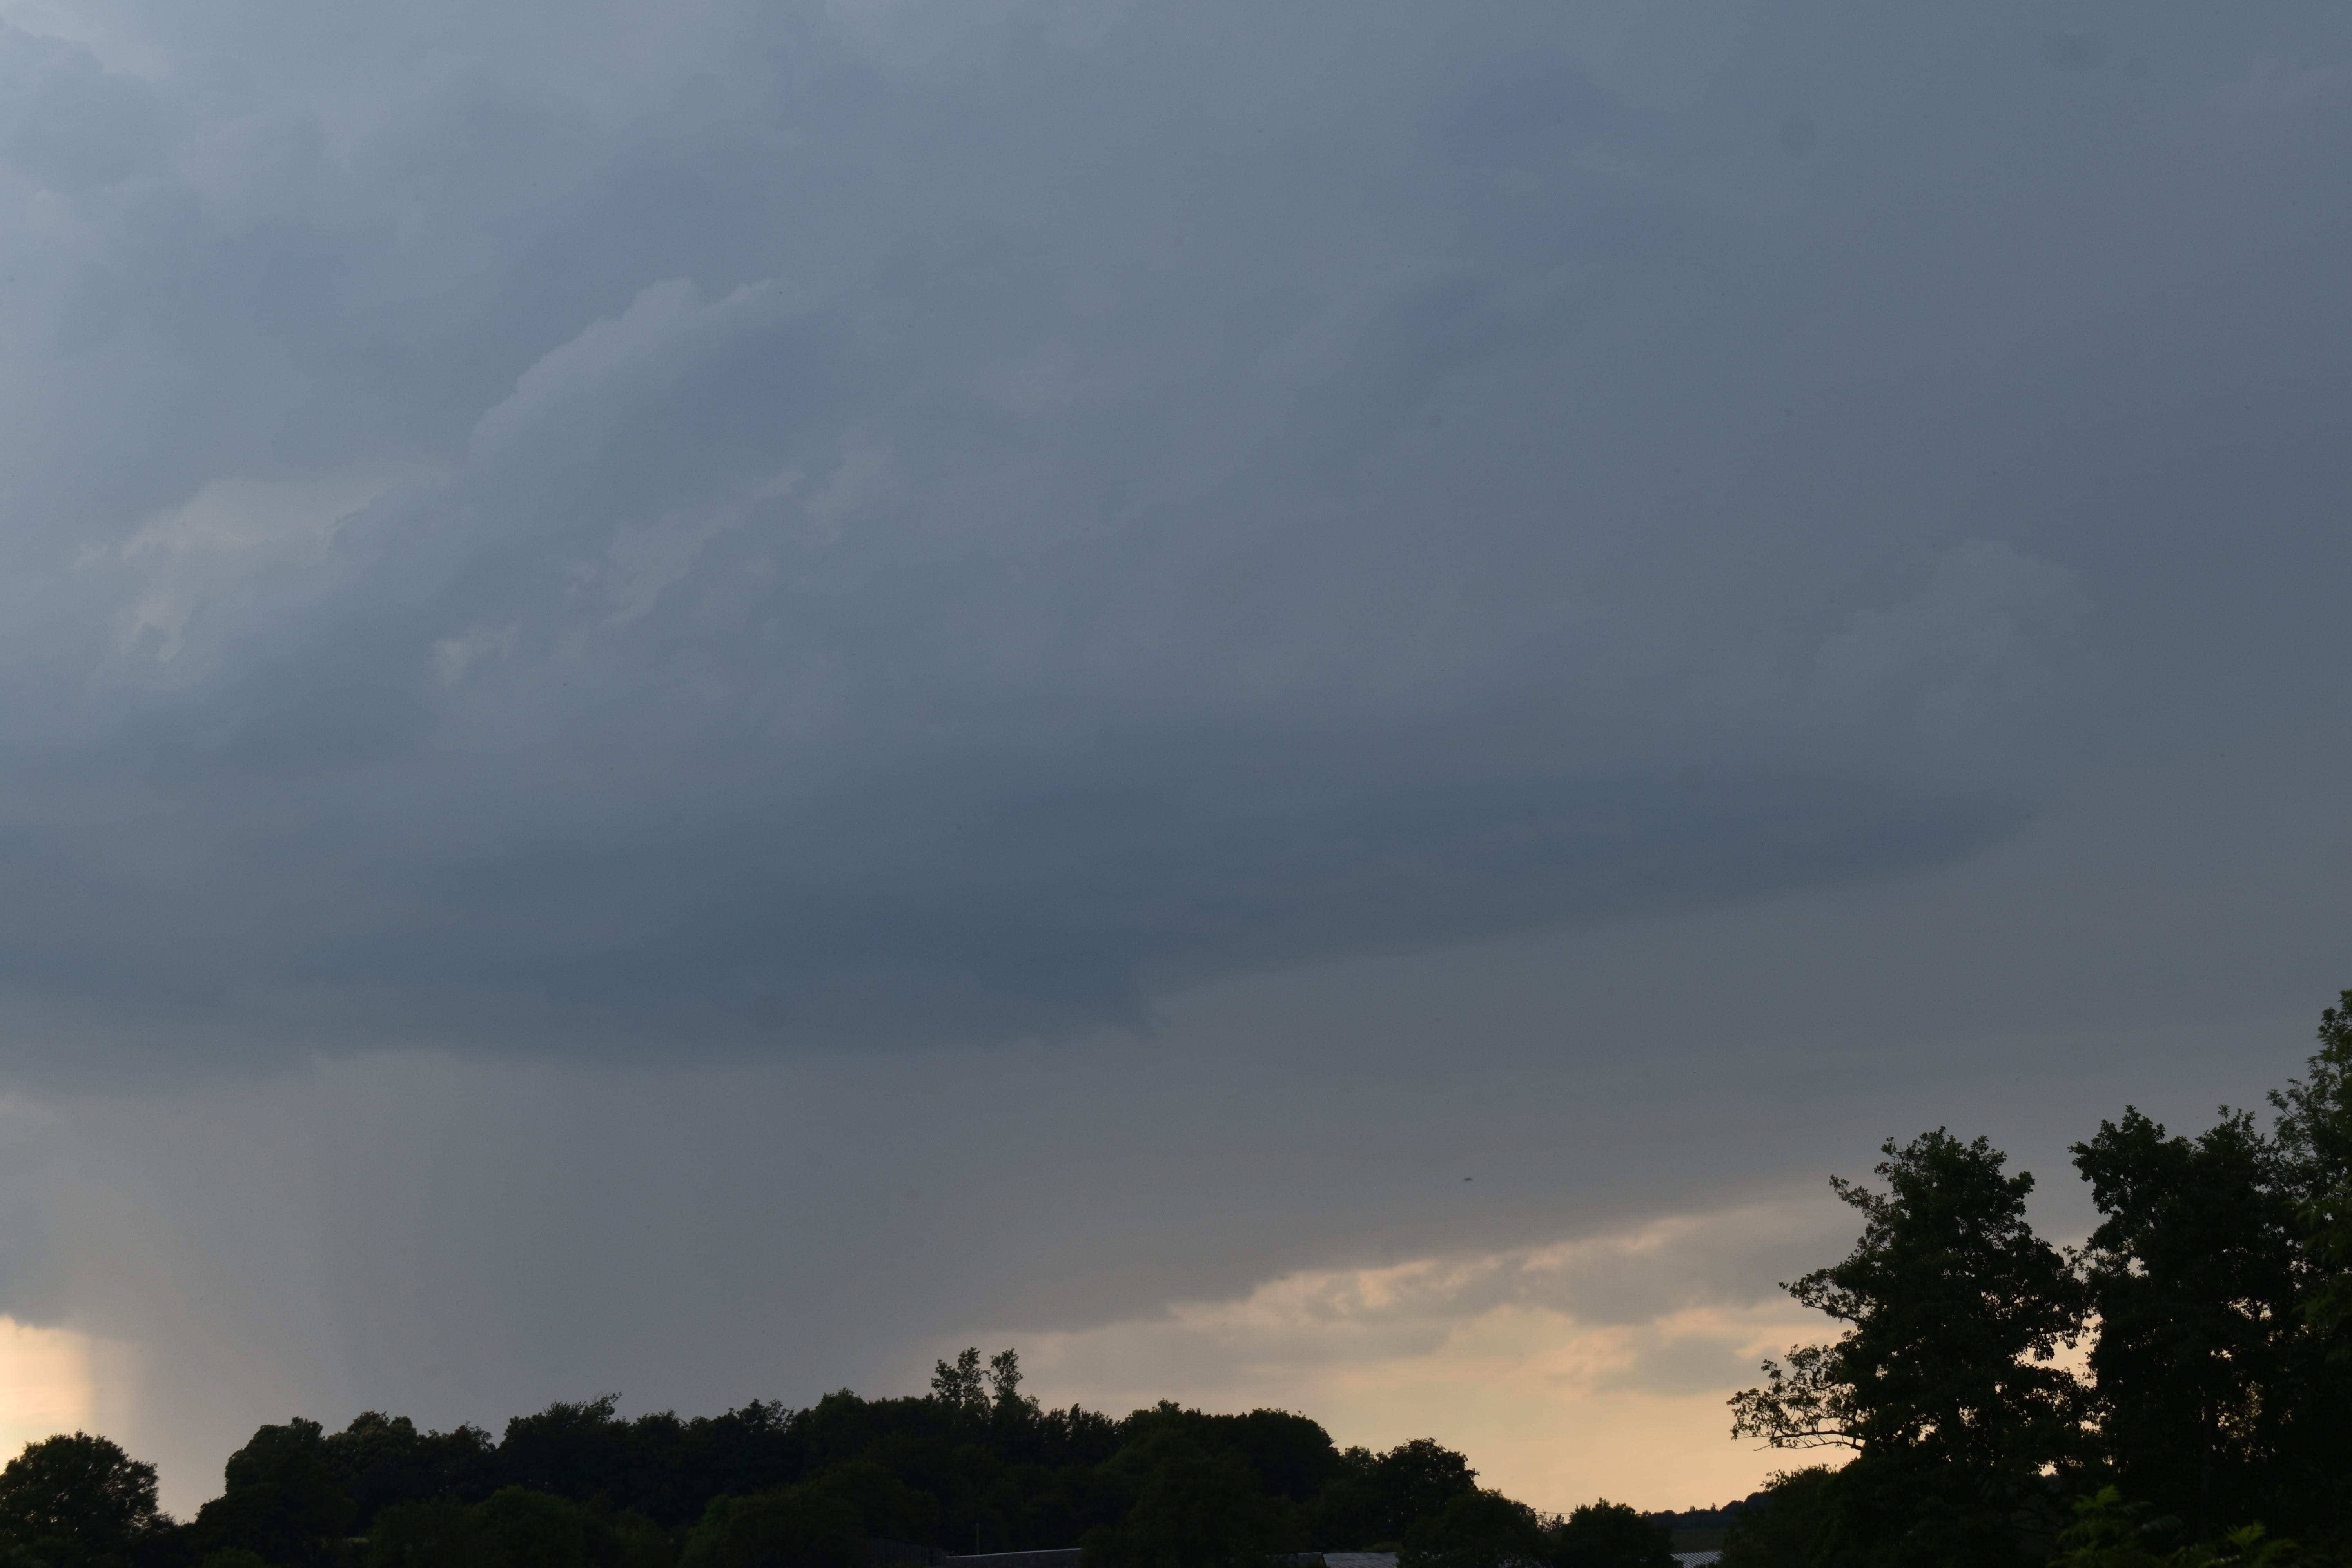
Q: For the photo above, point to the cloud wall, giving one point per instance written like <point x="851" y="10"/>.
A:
<point x="783" y="526"/>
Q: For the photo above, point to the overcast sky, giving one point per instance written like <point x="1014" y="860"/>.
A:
<point x="1298" y="703"/>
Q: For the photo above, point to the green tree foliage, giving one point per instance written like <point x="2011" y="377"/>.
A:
<point x="1942" y="1382"/>
<point x="522" y="1528"/>
<point x="572" y="1450"/>
<point x="1193" y="1507"/>
<point x="2193" y="1273"/>
<point x="233" y="1557"/>
<point x="282" y="1499"/>
<point x="1005" y="1383"/>
<point x="437" y="1535"/>
<point x="1478" y="1529"/>
<point x="513" y="1528"/>
<point x="1787" y="1527"/>
<point x="78" y="1499"/>
<point x="382" y="1459"/>
<point x="798" y="1527"/>
<point x="2315" y="1130"/>
<point x="814" y="1488"/>
<point x="2107" y="1533"/>
<point x="2315" y="1138"/>
<point x="882" y="1504"/>
<point x="2223" y="1388"/>
<point x="962" y="1387"/>
<point x="2218" y="1419"/>
<point x="1607" y="1534"/>
<point x="1375" y="1499"/>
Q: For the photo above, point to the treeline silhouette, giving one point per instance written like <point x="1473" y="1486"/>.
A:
<point x="974" y="1466"/>
<point x="2177" y="1393"/>
<point x="2210" y="1420"/>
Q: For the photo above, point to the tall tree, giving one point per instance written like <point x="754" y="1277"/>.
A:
<point x="2314" y="1136"/>
<point x="2316" y="1128"/>
<point x="961" y="1386"/>
<point x="1944" y="1382"/>
<point x="2193" y="1275"/>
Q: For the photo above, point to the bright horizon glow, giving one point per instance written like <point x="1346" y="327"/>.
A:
<point x="1595" y="1368"/>
<point x="53" y="1381"/>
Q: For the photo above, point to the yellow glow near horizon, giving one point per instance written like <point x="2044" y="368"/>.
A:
<point x="51" y="1381"/>
<point x="1579" y="1370"/>
<point x="1583" y="1370"/>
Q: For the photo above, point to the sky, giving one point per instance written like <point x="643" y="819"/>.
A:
<point x="1298" y="705"/>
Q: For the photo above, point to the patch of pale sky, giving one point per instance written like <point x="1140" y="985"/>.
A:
<point x="232" y="529"/>
<point x="59" y="1380"/>
<point x="1580" y="1369"/>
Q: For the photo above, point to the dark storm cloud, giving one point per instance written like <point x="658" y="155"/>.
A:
<point x="776" y="524"/>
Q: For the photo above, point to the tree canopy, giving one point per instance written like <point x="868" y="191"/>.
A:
<point x="77" y="1498"/>
<point x="2216" y="1414"/>
<point x="975" y="1464"/>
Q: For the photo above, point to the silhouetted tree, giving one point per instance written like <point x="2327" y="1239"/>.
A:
<point x="1943" y="1382"/>
<point x="281" y="1498"/>
<point x="518" y="1528"/>
<point x="959" y="1388"/>
<point x="1414" y="1480"/>
<point x="2109" y="1532"/>
<point x="1785" y="1526"/>
<point x="380" y="1460"/>
<point x="2192" y="1274"/>
<point x="426" y="1535"/>
<point x="2315" y="1130"/>
<point x="576" y="1450"/>
<point x="795" y="1528"/>
<point x="1607" y="1534"/>
<point x="77" y="1498"/>
<point x="1477" y="1530"/>
<point x="2314" y="1137"/>
<point x="1194" y="1508"/>
<point x="883" y="1504"/>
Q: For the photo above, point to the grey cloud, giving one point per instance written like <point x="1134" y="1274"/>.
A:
<point x="1671" y="1364"/>
<point x="905" y="527"/>
<point x="1288" y="605"/>
<point x="2074" y="51"/>
<point x="464" y="1239"/>
<point x="74" y="124"/>
<point x="1990" y="658"/>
